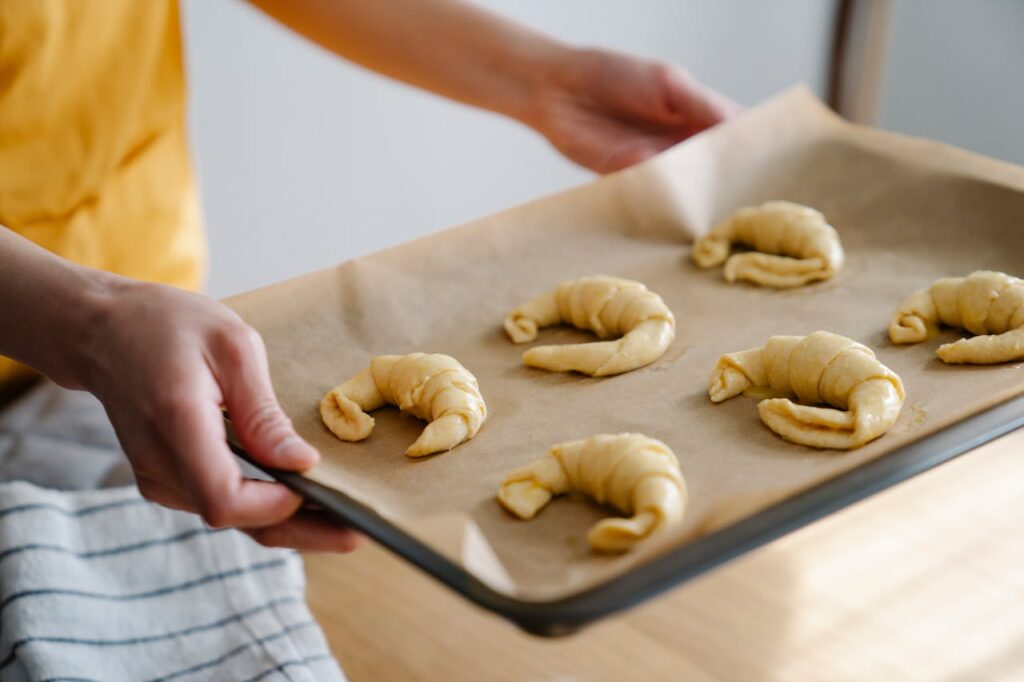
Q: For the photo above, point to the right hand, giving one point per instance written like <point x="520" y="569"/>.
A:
<point x="607" y="110"/>
<point x="163" y="362"/>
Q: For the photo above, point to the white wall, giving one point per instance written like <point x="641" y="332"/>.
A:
<point x="954" y="73"/>
<point x="306" y="161"/>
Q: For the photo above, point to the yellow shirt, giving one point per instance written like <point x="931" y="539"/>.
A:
<point x="94" y="163"/>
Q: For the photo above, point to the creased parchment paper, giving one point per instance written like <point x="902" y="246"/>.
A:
<point x="908" y="212"/>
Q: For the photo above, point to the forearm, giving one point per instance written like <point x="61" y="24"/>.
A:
<point x="448" y="47"/>
<point x="46" y="308"/>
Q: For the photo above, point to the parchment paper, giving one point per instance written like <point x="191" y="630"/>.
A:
<point x="908" y="212"/>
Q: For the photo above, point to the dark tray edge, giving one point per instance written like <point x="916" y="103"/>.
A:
<point x="565" y="616"/>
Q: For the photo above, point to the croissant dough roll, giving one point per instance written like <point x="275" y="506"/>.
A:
<point x="989" y="304"/>
<point x="793" y="245"/>
<point x="638" y="475"/>
<point x="432" y="387"/>
<point x="607" y="306"/>
<point x="819" y="368"/>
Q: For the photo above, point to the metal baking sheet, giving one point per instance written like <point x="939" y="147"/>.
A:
<point x="562" y="617"/>
<point x="908" y="211"/>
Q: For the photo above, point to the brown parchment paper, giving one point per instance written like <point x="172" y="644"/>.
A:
<point x="908" y="212"/>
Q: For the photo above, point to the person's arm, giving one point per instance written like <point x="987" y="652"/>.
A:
<point x="163" y="362"/>
<point x="601" y="109"/>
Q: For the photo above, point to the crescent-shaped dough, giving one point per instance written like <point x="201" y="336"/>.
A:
<point x="989" y="304"/>
<point x="819" y="368"/>
<point x="638" y="475"/>
<point x="432" y="387"/>
<point x="607" y="306"/>
<point x="793" y="245"/>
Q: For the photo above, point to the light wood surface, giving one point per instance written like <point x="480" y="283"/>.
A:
<point x="922" y="582"/>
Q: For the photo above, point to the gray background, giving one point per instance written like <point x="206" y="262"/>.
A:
<point x="306" y="161"/>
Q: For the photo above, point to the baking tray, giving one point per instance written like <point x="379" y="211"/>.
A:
<point x="561" y="617"/>
<point x="903" y="208"/>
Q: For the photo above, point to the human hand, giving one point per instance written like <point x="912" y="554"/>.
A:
<point x="607" y="111"/>
<point x="163" y="362"/>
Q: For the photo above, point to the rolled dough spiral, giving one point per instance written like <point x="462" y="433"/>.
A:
<point x="793" y="245"/>
<point x="639" y="476"/>
<point x="432" y="387"/>
<point x="607" y="306"/>
<point x="865" y="395"/>
<point x="988" y="304"/>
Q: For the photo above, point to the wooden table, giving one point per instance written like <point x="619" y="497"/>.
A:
<point x="922" y="582"/>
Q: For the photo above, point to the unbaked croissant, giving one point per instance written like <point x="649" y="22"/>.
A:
<point x="432" y="387"/>
<point x="793" y="245"/>
<point x="636" y="474"/>
<point x="607" y="306"/>
<point x="989" y="304"/>
<point x="819" y="368"/>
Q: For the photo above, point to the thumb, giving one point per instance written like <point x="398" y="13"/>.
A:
<point x="261" y="425"/>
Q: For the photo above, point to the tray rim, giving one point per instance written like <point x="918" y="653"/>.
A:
<point x="567" y="615"/>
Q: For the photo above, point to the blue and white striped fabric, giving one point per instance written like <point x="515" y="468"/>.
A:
<point x="100" y="585"/>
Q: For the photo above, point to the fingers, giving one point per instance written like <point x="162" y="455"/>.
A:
<point x="309" y="531"/>
<point x="173" y="360"/>
<point x="209" y="484"/>
<point x="631" y="155"/>
<point x="253" y="504"/>
<point x="306" y="530"/>
<point x="193" y="431"/>
<point x="164" y="494"/>
<point x="642" y="147"/>
<point x="697" y="105"/>
<point x="249" y="506"/>
<point x="240" y="366"/>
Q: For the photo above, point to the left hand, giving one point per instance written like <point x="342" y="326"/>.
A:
<point x="607" y="111"/>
